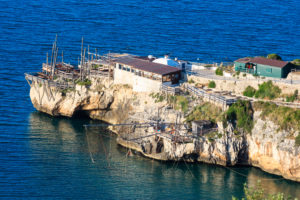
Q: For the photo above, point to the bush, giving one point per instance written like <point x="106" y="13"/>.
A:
<point x="249" y="91"/>
<point x="211" y="84"/>
<point x="296" y="62"/>
<point x="241" y="113"/>
<point x="274" y="56"/>
<point x="85" y="82"/>
<point x="244" y="75"/>
<point x="258" y="193"/>
<point x="205" y="111"/>
<point x="208" y="66"/>
<point x="182" y="103"/>
<point x="287" y="118"/>
<point x="293" y="97"/>
<point x="297" y="140"/>
<point x="191" y="81"/>
<point x="267" y="90"/>
<point x="219" y="71"/>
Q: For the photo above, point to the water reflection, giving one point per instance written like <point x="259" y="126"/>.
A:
<point x="65" y="152"/>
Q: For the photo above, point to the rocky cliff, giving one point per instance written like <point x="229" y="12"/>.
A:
<point x="267" y="147"/>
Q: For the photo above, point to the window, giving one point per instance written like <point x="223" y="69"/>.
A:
<point x="120" y="66"/>
<point x="128" y="69"/>
<point x="269" y="70"/>
<point x="132" y="70"/>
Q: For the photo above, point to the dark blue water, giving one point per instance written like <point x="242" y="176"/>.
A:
<point x="45" y="157"/>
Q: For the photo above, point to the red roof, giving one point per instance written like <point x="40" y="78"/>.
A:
<point x="263" y="61"/>
<point x="146" y="65"/>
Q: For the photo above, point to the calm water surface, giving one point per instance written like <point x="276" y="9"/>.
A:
<point x="46" y="157"/>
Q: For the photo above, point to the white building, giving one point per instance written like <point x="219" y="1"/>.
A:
<point x="144" y="75"/>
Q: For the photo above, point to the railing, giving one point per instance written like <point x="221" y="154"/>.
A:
<point x="98" y="73"/>
<point x="51" y="83"/>
<point x="214" y="97"/>
<point x="169" y="89"/>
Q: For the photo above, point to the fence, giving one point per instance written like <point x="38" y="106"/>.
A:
<point x="210" y="96"/>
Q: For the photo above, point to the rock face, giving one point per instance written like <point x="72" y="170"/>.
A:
<point x="274" y="151"/>
<point x="268" y="148"/>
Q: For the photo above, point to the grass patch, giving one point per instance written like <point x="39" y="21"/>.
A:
<point x="287" y="118"/>
<point x="293" y="97"/>
<point x="267" y="90"/>
<point x="85" y="82"/>
<point x="191" y="81"/>
<point x="158" y="97"/>
<point x="211" y="84"/>
<point x="205" y="111"/>
<point x="249" y="91"/>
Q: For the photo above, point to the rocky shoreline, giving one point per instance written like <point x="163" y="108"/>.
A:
<point x="266" y="147"/>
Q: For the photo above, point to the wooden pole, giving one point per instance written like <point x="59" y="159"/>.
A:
<point x="81" y="58"/>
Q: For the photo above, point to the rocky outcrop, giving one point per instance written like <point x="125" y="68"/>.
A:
<point x="267" y="147"/>
<point x="274" y="150"/>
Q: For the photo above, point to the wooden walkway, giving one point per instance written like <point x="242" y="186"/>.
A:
<point x="217" y="98"/>
<point x="31" y="78"/>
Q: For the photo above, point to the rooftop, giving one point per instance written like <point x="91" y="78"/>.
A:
<point x="263" y="61"/>
<point x="146" y="65"/>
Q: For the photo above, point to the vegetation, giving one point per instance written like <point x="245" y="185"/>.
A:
<point x="219" y="71"/>
<point x="293" y="97"/>
<point x="207" y="66"/>
<point x="241" y="115"/>
<point x="249" y="91"/>
<point x="211" y="84"/>
<point x="274" y="56"/>
<point x="258" y="193"/>
<point x="158" y="97"/>
<point x="287" y="118"/>
<point x="65" y="91"/>
<point x="296" y="62"/>
<point x="297" y="140"/>
<point x="85" y="82"/>
<point x="267" y="90"/>
<point x="191" y="81"/>
<point x="182" y="103"/>
<point x="205" y="111"/>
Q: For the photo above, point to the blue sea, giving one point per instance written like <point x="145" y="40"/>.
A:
<point x="42" y="157"/>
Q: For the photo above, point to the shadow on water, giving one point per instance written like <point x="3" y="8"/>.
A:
<point x="93" y="157"/>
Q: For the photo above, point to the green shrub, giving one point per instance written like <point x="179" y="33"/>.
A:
<point x="274" y="56"/>
<point x="238" y="73"/>
<point x="244" y="75"/>
<point x="182" y="103"/>
<point x="258" y="193"/>
<point x="85" y="82"/>
<point x="191" y="81"/>
<point x="219" y="71"/>
<point x="296" y="62"/>
<point x="287" y="118"/>
<point x="241" y="113"/>
<point x="211" y="84"/>
<point x="267" y="90"/>
<point x="208" y="66"/>
<point x="249" y="91"/>
<point x="205" y="111"/>
<point x="297" y="140"/>
<point x="293" y="97"/>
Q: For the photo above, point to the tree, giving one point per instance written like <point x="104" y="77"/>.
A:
<point x="274" y="56"/>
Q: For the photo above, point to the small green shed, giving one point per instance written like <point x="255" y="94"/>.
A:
<point x="263" y="67"/>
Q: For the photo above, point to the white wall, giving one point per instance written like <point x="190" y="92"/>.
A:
<point x="138" y="83"/>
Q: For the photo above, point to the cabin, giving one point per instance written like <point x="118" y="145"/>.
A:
<point x="143" y="75"/>
<point x="263" y="67"/>
<point x="201" y="127"/>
